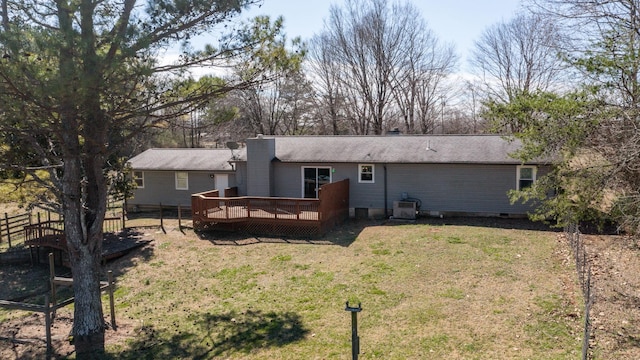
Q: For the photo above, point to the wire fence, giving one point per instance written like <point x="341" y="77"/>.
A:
<point x="583" y="269"/>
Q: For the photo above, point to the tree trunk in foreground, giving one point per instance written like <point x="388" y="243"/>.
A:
<point x="83" y="230"/>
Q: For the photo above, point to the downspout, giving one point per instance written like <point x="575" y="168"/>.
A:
<point x="385" y="190"/>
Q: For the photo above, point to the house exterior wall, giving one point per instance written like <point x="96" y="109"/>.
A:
<point x="287" y="179"/>
<point x="442" y="188"/>
<point x="160" y="187"/>
<point x="261" y="151"/>
<point x="241" y="178"/>
<point x="456" y="188"/>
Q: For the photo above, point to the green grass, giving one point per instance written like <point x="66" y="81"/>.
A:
<point x="437" y="292"/>
<point x="427" y="292"/>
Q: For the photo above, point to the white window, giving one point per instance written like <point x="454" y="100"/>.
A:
<point x="138" y="178"/>
<point x="182" y="180"/>
<point x="366" y="173"/>
<point x="526" y="176"/>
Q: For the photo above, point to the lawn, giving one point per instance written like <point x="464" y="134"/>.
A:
<point x="428" y="291"/>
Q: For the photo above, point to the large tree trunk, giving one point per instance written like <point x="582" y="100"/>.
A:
<point x="88" y="321"/>
<point x="83" y="231"/>
<point x="83" y="138"/>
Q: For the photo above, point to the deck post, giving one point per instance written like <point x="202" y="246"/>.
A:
<point x="52" y="275"/>
<point x="39" y="226"/>
<point x="47" y="324"/>
<point x="275" y="210"/>
<point x="124" y="214"/>
<point x="111" y="301"/>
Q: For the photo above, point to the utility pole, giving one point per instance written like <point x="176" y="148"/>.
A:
<point x="442" y="113"/>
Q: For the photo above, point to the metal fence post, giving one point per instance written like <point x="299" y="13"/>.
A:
<point x="355" y="339"/>
<point x="162" y="220"/>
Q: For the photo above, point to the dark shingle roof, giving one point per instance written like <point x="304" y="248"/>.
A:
<point x="183" y="159"/>
<point x="488" y="149"/>
<point x="410" y="149"/>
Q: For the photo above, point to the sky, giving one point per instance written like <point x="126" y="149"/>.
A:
<point x="460" y="22"/>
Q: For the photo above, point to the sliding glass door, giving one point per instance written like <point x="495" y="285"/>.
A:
<point x="313" y="178"/>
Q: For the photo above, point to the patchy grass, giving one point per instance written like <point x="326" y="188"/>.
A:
<point x="427" y="291"/>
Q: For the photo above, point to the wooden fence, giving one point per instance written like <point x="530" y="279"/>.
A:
<point x="51" y="304"/>
<point x="16" y="229"/>
<point x="46" y="309"/>
<point x="12" y="227"/>
<point x="334" y="204"/>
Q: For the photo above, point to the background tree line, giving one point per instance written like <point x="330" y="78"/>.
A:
<point x="377" y="66"/>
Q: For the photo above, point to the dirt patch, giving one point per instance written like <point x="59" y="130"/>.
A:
<point x="24" y="337"/>
<point x="616" y="312"/>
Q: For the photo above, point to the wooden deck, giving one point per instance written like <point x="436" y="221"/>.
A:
<point x="277" y="216"/>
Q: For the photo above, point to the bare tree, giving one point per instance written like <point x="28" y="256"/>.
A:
<point x="323" y="66"/>
<point x="374" y="47"/>
<point x="419" y="83"/>
<point x="518" y="56"/>
<point x="263" y="105"/>
<point x="281" y="107"/>
<point x="297" y="96"/>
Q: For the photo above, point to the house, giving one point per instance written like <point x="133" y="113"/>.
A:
<point x="441" y="174"/>
<point x="170" y="176"/>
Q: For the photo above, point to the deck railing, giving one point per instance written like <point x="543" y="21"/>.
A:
<point x="51" y="232"/>
<point x="46" y="233"/>
<point x="245" y="207"/>
<point x="274" y="214"/>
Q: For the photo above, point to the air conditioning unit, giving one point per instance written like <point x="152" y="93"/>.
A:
<point x="404" y="210"/>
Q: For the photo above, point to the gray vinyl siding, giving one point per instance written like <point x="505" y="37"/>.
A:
<point x="459" y="188"/>
<point x="241" y="178"/>
<point x="287" y="180"/>
<point x="463" y="188"/>
<point x="259" y="169"/>
<point x="288" y="176"/>
<point x="467" y="188"/>
<point x="366" y="195"/>
<point x="160" y="187"/>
